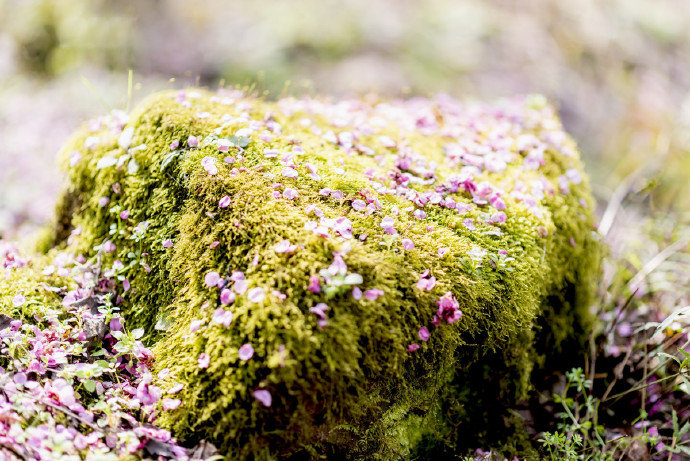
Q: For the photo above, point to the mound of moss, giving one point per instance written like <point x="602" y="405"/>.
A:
<point x="360" y="278"/>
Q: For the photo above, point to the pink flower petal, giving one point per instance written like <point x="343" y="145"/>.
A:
<point x="194" y="325"/>
<point x="419" y="214"/>
<point x="246" y="352"/>
<point x="224" y="202"/>
<point x="289" y="172"/>
<point x="109" y="246"/>
<point x="18" y="300"/>
<point x="290" y="193"/>
<point x="387" y="222"/>
<point x="448" y="308"/>
<point x="171" y="404"/>
<point x="115" y="324"/>
<point x="240" y="286"/>
<point x="176" y="388"/>
<point x="222" y="317"/>
<point x="227" y="296"/>
<point x="263" y="396"/>
<point x="372" y="294"/>
<point x="209" y="164"/>
<point x="256" y="295"/>
<point x="359" y="205"/>
<point x="285" y="247"/>
<point x="424" y="334"/>
<point x="211" y="279"/>
<point x="237" y="275"/>
<point x="314" y="284"/>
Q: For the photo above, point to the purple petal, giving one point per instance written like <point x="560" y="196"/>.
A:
<point x="246" y="352"/>
<point x="263" y="396"/>
<point x="256" y="295"/>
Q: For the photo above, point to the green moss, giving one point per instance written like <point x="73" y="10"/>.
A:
<point x="351" y="388"/>
<point x="27" y="294"/>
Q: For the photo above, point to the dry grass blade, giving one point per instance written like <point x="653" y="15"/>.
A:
<point x="653" y="263"/>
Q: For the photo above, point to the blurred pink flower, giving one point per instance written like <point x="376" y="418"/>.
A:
<point x="424" y="334"/>
<point x="256" y="295"/>
<point x="171" y="404"/>
<point x="246" y="352"/>
<point x="222" y="317"/>
<point x="224" y="202"/>
<point x="407" y="244"/>
<point x="263" y="396"/>
<point x="209" y="164"/>
<point x="204" y="360"/>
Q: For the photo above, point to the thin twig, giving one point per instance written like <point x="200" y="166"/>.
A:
<point x="615" y="378"/>
<point x="637" y="388"/>
<point x="643" y="400"/>
<point x="673" y="446"/>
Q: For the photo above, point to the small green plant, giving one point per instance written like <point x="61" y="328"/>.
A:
<point x="578" y="426"/>
<point x="560" y="446"/>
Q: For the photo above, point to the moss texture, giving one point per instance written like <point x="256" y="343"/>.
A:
<point x="26" y="291"/>
<point x="490" y="197"/>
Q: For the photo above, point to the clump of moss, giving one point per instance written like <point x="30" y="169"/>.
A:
<point x="372" y="253"/>
<point x="28" y="287"/>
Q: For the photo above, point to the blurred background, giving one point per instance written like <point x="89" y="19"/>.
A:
<point x="618" y="70"/>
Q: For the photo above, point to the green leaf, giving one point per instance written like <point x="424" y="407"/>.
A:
<point x="163" y="323"/>
<point x="90" y="385"/>
<point x="239" y="141"/>
<point x="117" y="334"/>
<point x="685" y="386"/>
<point x="137" y="333"/>
<point x="683" y="430"/>
<point x="669" y="356"/>
<point x="132" y="167"/>
<point x="169" y="158"/>
<point x="677" y="314"/>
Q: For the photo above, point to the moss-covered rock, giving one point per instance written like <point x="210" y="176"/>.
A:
<point x="397" y="267"/>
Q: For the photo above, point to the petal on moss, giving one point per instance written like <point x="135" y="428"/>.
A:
<point x="224" y="202"/>
<point x="256" y="295"/>
<point x="246" y="352"/>
<point x="211" y="279"/>
<point x="263" y="396"/>
<point x="222" y="317"/>
<point x="204" y="360"/>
